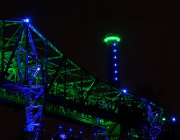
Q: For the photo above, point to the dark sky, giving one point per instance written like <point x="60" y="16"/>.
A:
<point x="150" y="32"/>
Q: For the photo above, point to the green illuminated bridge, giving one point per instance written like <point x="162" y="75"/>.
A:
<point x="30" y="65"/>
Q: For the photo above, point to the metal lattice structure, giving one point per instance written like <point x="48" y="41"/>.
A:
<point x="35" y="73"/>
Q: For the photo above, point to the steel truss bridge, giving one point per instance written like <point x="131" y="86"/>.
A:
<point x="36" y="74"/>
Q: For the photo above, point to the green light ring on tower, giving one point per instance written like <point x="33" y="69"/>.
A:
<point x="112" y="38"/>
<point x="163" y="119"/>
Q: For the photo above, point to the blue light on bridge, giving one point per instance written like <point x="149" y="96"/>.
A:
<point x="63" y="136"/>
<point x="26" y="20"/>
<point x="60" y="126"/>
<point x="80" y="131"/>
<point x="70" y="129"/>
<point x="124" y="90"/>
<point x="173" y="119"/>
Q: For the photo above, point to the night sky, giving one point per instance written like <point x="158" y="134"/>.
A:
<point x="149" y="51"/>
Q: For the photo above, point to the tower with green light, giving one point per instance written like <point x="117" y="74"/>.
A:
<point x="112" y="41"/>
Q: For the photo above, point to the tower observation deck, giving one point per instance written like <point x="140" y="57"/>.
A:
<point x="37" y="75"/>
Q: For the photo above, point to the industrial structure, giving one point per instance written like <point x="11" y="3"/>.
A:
<point x="112" y="41"/>
<point x="37" y="75"/>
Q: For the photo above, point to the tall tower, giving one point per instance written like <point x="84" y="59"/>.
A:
<point x="112" y="41"/>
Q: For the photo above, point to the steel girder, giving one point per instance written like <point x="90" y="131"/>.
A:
<point x="28" y="58"/>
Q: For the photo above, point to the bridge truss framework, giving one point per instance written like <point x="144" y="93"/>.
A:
<point x="37" y="75"/>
